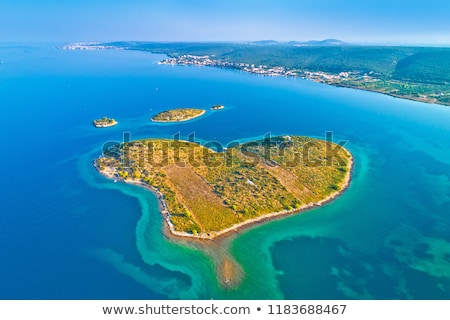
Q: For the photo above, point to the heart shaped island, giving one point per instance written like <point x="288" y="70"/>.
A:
<point x="206" y="191"/>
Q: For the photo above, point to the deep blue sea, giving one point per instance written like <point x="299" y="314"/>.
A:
<point x="68" y="233"/>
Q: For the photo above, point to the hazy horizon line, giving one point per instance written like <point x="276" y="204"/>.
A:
<point x="355" y="43"/>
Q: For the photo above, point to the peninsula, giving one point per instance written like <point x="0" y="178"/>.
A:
<point x="205" y="193"/>
<point x="104" y="122"/>
<point x="177" y="115"/>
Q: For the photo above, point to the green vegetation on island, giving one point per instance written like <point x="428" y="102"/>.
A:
<point x="176" y="115"/>
<point x="217" y="107"/>
<point x="104" y="122"/>
<point x="206" y="193"/>
<point x="416" y="73"/>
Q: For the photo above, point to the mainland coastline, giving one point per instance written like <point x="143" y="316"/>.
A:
<point x="396" y="71"/>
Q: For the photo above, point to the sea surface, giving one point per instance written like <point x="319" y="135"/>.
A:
<point x="66" y="232"/>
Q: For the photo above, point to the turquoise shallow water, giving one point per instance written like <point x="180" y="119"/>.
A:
<point x="66" y="232"/>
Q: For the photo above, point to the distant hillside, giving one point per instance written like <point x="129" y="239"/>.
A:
<point x="266" y="42"/>
<point x="431" y="67"/>
<point x="323" y="58"/>
<point x="324" y="43"/>
<point x="311" y="43"/>
<point x="328" y="58"/>
<point x="418" y="64"/>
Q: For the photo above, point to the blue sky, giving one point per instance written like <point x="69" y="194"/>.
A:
<point x="382" y="21"/>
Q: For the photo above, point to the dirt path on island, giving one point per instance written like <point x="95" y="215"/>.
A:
<point x="199" y="198"/>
